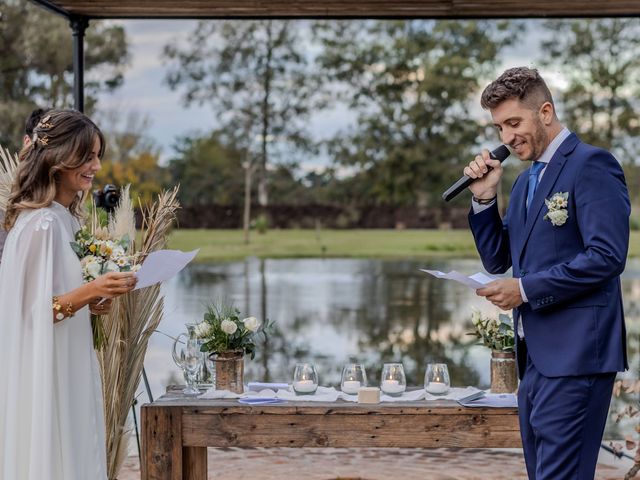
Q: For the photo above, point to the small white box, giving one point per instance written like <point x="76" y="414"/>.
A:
<point x="369" y="395"/>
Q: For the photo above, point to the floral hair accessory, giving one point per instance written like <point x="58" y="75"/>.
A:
<point x="557" y="208"/>
<point x="44" y="140"/>
<point x="44" y="123"/>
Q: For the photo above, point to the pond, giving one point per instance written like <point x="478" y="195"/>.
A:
<point x="330" y="311"/>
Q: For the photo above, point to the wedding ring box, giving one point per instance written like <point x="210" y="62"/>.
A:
<point x="369" y="395"/>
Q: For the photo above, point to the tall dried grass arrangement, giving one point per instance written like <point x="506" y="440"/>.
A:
<point x="132" y="320"/>
<point x="8" y="166"/>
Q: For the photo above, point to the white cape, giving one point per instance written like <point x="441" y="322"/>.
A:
<point x="51" y="413"/>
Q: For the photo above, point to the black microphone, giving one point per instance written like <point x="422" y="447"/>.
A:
<point x="500" y="153"/>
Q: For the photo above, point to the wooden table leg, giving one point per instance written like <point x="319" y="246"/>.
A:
<point x="161" y="443"/>
<point x="194" y="463"/>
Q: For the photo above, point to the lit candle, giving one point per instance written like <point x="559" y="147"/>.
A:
<point x="305" y="386"/>
<point x="437" y="387"/>
<point x="392" y="387"/>
<point x="350" y="386"/>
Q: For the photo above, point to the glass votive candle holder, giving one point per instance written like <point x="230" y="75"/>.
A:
<point x="353" y="377"/>
<point x="393" y="381"/>
<point x="305" y="379"/>
<point x="436" y="379"/>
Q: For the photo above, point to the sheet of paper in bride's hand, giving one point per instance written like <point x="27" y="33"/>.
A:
<point x="162" y="265"/>
<point x="475" y="281"/>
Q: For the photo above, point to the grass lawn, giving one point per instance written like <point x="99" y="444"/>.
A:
<point x="226" y="245"/>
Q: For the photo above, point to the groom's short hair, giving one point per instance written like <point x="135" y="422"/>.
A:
<point x="522" y="83"/>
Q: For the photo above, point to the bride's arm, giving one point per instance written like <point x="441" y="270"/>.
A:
<point x="109" y="285"/>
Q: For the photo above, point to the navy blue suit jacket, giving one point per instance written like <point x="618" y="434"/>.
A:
<point x="574" y="320"/>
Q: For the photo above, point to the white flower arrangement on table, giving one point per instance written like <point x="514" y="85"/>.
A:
<point x="495" y="333"/>
<point x="557" y="208"/>
<point x="98" y="255"/>
<point x="222" y="330"/>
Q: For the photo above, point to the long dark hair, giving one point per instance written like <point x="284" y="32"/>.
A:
<point x="62" y="140"/>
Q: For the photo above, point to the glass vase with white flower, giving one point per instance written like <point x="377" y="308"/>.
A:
<point x="498" y="335"/>
<point x="226" y="338"/>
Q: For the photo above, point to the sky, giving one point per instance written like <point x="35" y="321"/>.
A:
<point x="145" y="91"/>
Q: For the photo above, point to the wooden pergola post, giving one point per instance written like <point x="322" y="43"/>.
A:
<point x="78" y="25"/>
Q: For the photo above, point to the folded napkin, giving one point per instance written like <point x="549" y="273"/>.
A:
<point x="411" y="396"/>
<point x="213" y="394"/>
<point x="347" y="398"/>
<point x="322" y="394"/>
<point x="260" y="386"/>
<point x="453" y="394"/>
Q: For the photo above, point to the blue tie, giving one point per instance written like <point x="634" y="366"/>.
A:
<point x="534" y="175"/>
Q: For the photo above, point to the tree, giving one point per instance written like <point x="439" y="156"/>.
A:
<point x="598" y="59"/>
<point x="209" y="171"/>
<point x="130" y="157"/>
<point x="255" y="76"/>
<point x="36" y="66"/>
<point x="412" y="83"/>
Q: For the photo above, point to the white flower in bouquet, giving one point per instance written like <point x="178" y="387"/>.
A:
<point x="228" y="327"/>
<point x="251" y="323"/>
<point x="91" y="266"/>
<point x="118" y="252"/>
<point x="111" y="266"/>
<point x="203" y="329"/>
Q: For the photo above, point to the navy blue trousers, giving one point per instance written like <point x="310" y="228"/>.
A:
<point x="561" y="423"/>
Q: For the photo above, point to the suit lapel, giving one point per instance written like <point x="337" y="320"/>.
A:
<point x="546" y="184"/>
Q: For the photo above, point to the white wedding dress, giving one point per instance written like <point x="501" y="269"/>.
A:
<point x="51" y="414"/>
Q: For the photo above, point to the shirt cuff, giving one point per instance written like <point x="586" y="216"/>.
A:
<point x="522" y="294"/>
<point x="477" y="208"/>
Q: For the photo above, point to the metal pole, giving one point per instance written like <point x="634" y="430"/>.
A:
<point x="135" y="422"/>
<point x="78" y="27"/>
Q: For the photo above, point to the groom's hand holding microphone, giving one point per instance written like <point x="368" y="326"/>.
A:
<point x="486" y="172"/>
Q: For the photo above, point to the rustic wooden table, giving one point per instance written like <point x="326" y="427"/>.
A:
<point x="177" y="430"/>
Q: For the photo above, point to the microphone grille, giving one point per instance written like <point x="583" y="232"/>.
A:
<point x="501" y="153"/>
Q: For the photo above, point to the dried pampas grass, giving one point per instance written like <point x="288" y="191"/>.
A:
<point x="8" y="166"/>
<point x="132" y="320"/>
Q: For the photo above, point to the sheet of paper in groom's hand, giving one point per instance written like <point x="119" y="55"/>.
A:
<point x="475" y="281"/>
<point x="162" y="265"/>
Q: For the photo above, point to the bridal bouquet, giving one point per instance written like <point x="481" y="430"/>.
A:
<point x="100" y="254"/>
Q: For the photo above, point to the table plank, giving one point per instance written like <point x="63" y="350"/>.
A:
<point x="422" y="429"/>
<point x="178" y="429"/>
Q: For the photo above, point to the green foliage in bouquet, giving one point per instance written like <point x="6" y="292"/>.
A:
<point x="223" y="331"/>
<point x="497" y="334"/>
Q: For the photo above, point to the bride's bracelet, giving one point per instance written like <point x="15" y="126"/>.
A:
<point x="60" y="312"/>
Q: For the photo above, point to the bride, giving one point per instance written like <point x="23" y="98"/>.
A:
<point x="51" y="415"/>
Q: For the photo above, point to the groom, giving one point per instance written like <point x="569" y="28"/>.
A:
<point x="565" y="235"/>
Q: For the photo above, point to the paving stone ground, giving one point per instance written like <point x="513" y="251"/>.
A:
<point x="374" y="464"/>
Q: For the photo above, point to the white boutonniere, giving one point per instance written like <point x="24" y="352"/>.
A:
<point x="557" y="208"/>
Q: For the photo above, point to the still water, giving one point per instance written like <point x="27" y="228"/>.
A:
<point x="329" y="311"/>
